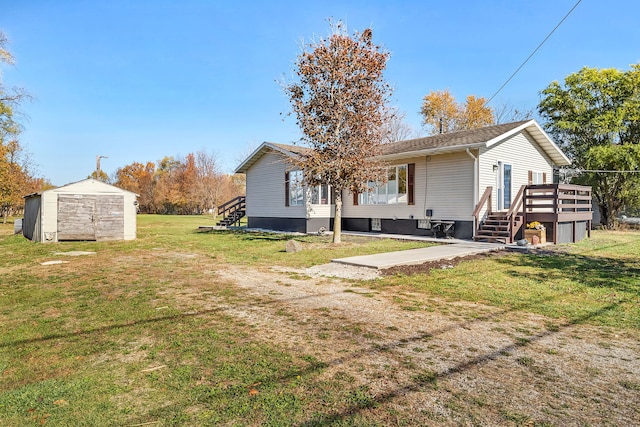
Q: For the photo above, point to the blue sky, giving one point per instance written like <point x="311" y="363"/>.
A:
<point x="137" y="80"/>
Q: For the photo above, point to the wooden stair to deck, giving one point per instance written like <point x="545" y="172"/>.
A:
<point x="495" y="228"/>
<point x="233" y="211"/>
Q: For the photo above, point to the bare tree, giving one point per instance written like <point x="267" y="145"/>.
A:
<point x="395" y="127"/>
<point x="339" y="100"/>
<point x="507" y="113"/>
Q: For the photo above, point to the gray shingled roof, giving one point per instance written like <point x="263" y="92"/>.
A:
<point x="449" y="140"/>
<point x="452" y="141"/>
<point x="295" y="149"/>
<point x="444" y="140"/>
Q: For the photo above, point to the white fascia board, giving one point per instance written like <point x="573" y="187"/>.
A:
<point x="259" y="152"/>
<point x="430" y="151"/>
<point x="540" y="136"/>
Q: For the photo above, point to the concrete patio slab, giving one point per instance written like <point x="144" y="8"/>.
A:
<point x="420" y="255"/>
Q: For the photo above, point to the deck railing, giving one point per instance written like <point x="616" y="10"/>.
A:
<point x="232" y="211"/>
<point x="551" y="204"/>
<point x="514" y="211"/>
<point x="484" y="200"/>
<point x="558" y="203"/>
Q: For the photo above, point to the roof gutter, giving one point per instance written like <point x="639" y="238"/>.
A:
<point x="431" y="151"/>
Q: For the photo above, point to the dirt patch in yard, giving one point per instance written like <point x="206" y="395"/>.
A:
<point x="434" y="361"/>
<point x="440" y="264"/>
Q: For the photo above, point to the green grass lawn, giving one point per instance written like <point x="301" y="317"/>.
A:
<point x="99" y="341"/>
<point x="102" y="344"/>
<point x="596" y="281"/>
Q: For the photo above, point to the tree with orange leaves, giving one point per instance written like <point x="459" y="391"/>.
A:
<point x="339" y="99"/>
<point x="15" y="173"/>
<point x="139" y="178"/>
<point x="441" y="113"/>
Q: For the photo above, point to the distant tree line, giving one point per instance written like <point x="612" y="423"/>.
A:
<point x="185" y="186"/>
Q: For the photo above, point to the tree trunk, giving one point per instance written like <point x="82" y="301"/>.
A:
<point x="605" y="215"/>
<point x="337" y="221"/>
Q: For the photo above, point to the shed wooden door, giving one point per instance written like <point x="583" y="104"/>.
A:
<point x="90" y="217"/>
<point x="76" y="217"/>
<point x="110" y="217"/>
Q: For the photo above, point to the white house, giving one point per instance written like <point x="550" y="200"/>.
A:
<point x="430" y="179"/>
<point x="83" y="210"/>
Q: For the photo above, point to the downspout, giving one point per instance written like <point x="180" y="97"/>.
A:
<point x="475" y="186"/>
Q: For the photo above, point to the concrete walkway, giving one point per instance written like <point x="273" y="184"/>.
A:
<point x="459" y="248"/>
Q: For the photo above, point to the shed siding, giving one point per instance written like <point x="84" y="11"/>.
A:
<point x="31" y="223"/>
<point x="89" y="189"/>
<point x="523" y="153"/>
<point x="49" y="216"/>
<point x="130" y="216"/>
<point x="266" y="189"/>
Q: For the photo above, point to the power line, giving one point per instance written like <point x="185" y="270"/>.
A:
<point x="605" y="171"/>
<point x="533" y="53"/>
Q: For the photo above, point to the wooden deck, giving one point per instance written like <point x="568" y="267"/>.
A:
<point x="564" y="208"/>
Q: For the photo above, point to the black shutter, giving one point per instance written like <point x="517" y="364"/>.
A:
<point x="411" y="179"/>
<point x="286" y="188"/>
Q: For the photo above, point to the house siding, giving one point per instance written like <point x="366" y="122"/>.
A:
<point x="523" y="154"/>
<point x="443" y="183"/>
<point x="450" y="175"/>
<point x="397" y="211"/>
<point x="266" y="189"/>
<point x="321" y="211"/>
<point x="450" y="186"/>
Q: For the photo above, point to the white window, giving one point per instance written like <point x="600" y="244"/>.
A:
<point x="537" y="178"/>
<point x="296" y="193"/>
<point x="320" y="195"/>
<point x="394" y="191"/>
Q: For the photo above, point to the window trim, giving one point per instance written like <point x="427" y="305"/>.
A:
<point x="318" y="189"/>
<point x="293" y="183"/>
<point x="391" y="197"/>
<point x="537" y="176"/>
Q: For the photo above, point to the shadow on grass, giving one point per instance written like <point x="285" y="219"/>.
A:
<point x="428" y="380"/>
<point x="261" y="236"/>
<point x="593" y="272"/>
<point x="139" y="322"/>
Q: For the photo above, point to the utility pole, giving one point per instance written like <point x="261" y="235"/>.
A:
<point x="98" y="164"/>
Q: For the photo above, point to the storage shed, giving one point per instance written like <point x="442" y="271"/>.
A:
<point x="83" y="210"/>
